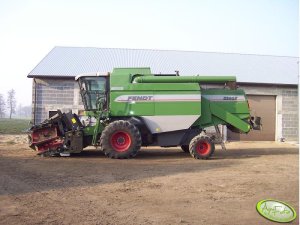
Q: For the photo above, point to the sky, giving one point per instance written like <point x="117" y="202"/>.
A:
<point x="29" y="29"/>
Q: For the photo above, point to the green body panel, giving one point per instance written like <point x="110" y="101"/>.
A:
<point x="124" y="96"/>
<point x="162" y="87"/>
<point x="229" y="118"/>
<point x="130" y="108"/>
<point x="122" y="77"/>
<point x="206" y="117"/>
<point x="216" y="110"/>
<point x="177" y="107"/>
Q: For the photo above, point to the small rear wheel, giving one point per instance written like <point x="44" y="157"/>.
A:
<point x="201" y="147"/>
<point x="185" y="148"/>
<point x="120" y="140"/>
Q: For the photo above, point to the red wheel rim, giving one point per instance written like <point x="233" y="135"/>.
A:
<point x="120" y="141"/>
<point x="203" y="148"/>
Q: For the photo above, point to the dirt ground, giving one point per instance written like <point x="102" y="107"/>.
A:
<point x="159" y="186"/>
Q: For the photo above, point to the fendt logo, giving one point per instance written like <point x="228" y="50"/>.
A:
<point x="135" y="98"/>
<point x="138" y="98"/>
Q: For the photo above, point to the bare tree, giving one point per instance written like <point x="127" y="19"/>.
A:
<point x="11" y="102"/>
<point x="2" y="106"/>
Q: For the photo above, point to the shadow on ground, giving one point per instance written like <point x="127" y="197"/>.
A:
<point x="175" y="153"/>
<point x="33" y="173"/>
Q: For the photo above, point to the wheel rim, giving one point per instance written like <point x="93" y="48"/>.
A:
<point x="120" y="141"/>
<point x="203" y="148"/>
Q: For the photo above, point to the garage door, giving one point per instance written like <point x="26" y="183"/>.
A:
<point x="265" y="107"/>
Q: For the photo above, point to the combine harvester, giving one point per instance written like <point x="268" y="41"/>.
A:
<point x="135" y="108"/>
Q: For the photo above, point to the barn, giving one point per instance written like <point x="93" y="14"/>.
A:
<point x="270" y="82"/>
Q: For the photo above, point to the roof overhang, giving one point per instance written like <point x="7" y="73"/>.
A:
<point x="92" y="74"/>
<point x="50" y="77"/>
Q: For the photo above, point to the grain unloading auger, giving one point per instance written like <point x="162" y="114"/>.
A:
<point x="134" y="108"/>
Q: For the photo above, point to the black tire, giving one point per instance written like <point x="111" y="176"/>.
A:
<point x="120" y="140"/>
<point x="201" y="147"/>
<point x="185" y="148"/>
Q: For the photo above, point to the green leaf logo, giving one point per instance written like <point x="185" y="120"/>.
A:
<point x="276" y="211"/>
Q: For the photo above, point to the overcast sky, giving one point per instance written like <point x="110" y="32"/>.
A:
<point x="29" y="29"/>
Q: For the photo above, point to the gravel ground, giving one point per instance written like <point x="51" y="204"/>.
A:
<point x="159" y="186"/>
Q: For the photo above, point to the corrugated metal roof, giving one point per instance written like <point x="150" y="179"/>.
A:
<point x="71" y="61"/>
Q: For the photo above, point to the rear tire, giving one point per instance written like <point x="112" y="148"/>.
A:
<point x="185" y="148"/>
<point x="120" y="140"/>
<point x="201" y="147"/>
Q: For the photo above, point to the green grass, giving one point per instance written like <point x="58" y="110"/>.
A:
<point x="13" y="126"/>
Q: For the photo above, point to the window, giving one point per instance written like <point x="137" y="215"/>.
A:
<point x="52" y="113"/>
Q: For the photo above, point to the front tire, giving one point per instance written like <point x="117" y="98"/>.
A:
<point x="120" y="140"/>
<point x="201" y="147"/>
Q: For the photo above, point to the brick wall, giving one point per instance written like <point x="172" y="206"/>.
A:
<point x="290" y="114"/>
<point x="55" y="94"/>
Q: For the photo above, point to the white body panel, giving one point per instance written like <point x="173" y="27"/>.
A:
<point x="159" y="124"/>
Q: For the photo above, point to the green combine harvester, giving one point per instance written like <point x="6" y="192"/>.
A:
<point x="131" y="108"/>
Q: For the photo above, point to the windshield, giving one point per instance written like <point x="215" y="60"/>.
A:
<point x="93" y="92"/>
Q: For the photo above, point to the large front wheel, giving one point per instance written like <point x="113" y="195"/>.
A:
<point x="120" y="140"/>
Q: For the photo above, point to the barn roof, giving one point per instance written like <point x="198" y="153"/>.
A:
<point x="71" y="61"/>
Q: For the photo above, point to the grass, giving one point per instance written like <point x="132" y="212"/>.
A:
<point x="13" y="126"/>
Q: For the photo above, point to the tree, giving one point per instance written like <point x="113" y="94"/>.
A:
<point x="11" y="102"/>
<point x="2" y="106"/>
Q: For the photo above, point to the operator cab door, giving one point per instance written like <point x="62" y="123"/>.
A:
<point x="93" y="90"/>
